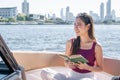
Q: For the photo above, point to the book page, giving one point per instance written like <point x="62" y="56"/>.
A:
<point x="74" y="58"/>
<point x="78" y="58"/>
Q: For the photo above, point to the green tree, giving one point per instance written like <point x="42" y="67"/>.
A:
<point x="59" y="21"/>
<point x="3" y="20"/>
<point x="48" y="21"/>
<point x="21" y="17"/>
<point x="11" y="20"/>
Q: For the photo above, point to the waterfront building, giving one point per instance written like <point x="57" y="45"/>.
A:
<point x="39" y="19"/>
<point x="36" y="17"/>
<point x="8" y="12"/>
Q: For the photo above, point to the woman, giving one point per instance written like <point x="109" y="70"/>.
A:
<point x="86" y="45"/>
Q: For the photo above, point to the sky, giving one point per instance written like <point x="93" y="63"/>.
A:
<point x="54" y="6"/>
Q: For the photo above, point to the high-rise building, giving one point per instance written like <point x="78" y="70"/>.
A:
<point x="49" y="16"/>
<point x="109" y="7"/>
<point x="25" y="7"/>
<point x="54" y="17"/>
<point x="67" y="13"/>
<point x="69" y="16"/>
<point x="108" y="11"/>
<point x="113" y="15"/>
<point x="61" y="14"/>
<point x="94" y="16"/>
<point x="102" y="11"/>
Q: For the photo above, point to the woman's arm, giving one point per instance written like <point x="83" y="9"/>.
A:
<point x="99" y="59"/>
<point x="68" y="48"/>
<point x="68" y="53"/>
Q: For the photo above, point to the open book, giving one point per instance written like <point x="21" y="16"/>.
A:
<point x="74" y="58"/>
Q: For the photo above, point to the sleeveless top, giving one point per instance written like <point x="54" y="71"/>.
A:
<point x="89" y="54"/>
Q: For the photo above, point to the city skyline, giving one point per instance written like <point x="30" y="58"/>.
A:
<point x="45" y="7"/>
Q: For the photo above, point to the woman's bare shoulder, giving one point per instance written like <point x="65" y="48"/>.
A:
<point x="98" y="46"/>
<point x="70" y="41"/>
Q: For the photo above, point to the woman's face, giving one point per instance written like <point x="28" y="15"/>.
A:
<point x="80" y="27"/>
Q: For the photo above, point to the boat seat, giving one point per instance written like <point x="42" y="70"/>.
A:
<point x="35" y="74"/>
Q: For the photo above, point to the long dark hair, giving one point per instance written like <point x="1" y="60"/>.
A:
<point x="87" y="19"/>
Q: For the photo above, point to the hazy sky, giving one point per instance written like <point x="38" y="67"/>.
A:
<point x="54" y="6"/>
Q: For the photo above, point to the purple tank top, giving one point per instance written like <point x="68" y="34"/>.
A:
<point x="89" y="54"/>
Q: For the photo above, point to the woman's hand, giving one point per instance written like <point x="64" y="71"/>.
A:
<point x="70" y="64"/>
<point x="83" y="66"/>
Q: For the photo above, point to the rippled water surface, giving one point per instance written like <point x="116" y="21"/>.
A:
<point x="54" y="37"/>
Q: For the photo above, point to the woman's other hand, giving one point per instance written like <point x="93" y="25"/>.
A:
<point x="83" y="66"/>
<point x="70" y="64"/>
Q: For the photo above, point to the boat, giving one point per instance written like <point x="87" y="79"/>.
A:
<point x="27" y="65"/>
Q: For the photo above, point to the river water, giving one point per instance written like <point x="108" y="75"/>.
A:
<point x="54" y="37"/>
